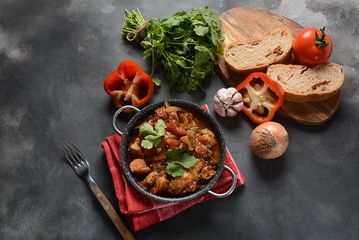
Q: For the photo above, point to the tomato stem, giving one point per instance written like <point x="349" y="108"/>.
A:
<point x="320" y="42"/>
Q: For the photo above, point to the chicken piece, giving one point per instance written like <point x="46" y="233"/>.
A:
<point x="187" y="120"/>
<point x="159" y="167"/>
<point x="195" y="170"/>
<point x="167" y="111"/>
<point x="161" y="112"/>
<point x="201" y="151"/>
<point x="159" y="156"/>
<point x="215" y="157"/>
<point x="161" y="185"/>
<point x="138" y="166"/>
<point x="188" y="181"/>
<point x="181" y="185"/>
<point x="207" y="137"/>
<point x="207" y="172"/>
<point x="135" y="148"/>
<point x="150" y="178"/>
<point x="184" y="143"/>
<point x="171" y="142"/>
<point x="173" y="115"/>
<point x="188" y="142"/>
<point x="150" y="152"/>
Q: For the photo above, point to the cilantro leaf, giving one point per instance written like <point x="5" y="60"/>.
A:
<point x="156" y="81"/>
<point x="174" y="153"/>
<point x="170" y="22"/>
<point x="147" y="129"/>
<point x="146" y="144"/>
<point x="160" y="127"/>
<point x="178" y="161"/>
<point x="187" y="160"/>
<point x="201" y="31"/>
<point x="154" y="139"/>
<point x="152" y="136"/>
<point x="174" y="170"/>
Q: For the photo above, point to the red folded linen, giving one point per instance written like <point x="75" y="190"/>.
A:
<point x="142" y="211"/>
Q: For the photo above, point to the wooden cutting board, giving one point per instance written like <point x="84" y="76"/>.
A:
<point x="243" y="24"/>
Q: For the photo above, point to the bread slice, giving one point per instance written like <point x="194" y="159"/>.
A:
<point x="304" y="84"/>
<point x="254" y="56"/>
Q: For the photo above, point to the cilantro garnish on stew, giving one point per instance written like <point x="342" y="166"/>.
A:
<point x="152" y="136"/>
<point x="177" y="161"/>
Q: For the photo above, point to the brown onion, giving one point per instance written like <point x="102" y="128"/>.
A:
<point x="269" y="140"/>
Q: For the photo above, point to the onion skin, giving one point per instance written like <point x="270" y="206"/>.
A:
<point x="269" y="140"/>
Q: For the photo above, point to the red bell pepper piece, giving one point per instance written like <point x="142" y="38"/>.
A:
<point x="262" y="97"/>
<point x="129" y="85"/>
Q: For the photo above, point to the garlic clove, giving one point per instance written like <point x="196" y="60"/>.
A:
<point x="237" y="97"/>
<point x="227" y="98"/>
<point x="238" y="106"/>
<point x="232" y="90"/>
<point x="231" y="112"/>
<point x="218" y="107"/>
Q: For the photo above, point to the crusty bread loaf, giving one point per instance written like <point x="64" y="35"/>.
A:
<point x="253" y="56"/>
<point x="304" y="84"/>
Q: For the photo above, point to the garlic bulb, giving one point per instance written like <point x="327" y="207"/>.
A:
<point x="228" y="102"/>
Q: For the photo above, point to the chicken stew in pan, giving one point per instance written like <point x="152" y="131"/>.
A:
<point x="173" y="152"/>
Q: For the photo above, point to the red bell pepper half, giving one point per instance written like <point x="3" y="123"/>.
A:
<point x="262" y="97"/>
<point x="129" y="85"/>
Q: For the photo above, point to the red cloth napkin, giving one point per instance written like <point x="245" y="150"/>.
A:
<point x="141" y="211"/>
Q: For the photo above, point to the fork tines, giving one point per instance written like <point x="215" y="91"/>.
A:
<point x="73" y="155"/>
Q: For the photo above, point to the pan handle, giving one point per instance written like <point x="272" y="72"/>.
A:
<point x="116" y="115"/>
<point x="230" y="190"/>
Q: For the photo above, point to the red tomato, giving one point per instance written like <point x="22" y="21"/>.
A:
<point x="312" y="47"/>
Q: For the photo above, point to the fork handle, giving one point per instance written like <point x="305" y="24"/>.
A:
<point x="121" y="227"/>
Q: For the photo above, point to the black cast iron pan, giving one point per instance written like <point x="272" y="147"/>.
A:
<point x="140" y="116"/>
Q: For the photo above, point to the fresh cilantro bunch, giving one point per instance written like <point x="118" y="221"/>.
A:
<point x="152" y="136"/>
<point x="186" y="45"/>
<point x="177" y="161"/>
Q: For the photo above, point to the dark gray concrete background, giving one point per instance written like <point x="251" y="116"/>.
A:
<point x="54" y="56"/>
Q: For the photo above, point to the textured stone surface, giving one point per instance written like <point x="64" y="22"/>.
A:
<point x="54" y="56"/>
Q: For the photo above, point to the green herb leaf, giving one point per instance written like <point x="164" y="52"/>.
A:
<point x="174" y="170"/>
<point x="156" y="81"/>
<point x="160" y="127"/>
<point x="146" y="144"/>
<point x="170" y="22"/>
<point x="201" y="31"/>
<point x="174" y="154"/>
<point x="147" y="129"/>
<point x="155" y="139"/>
<point x="187" y="160"/>
<point x="178" y="161"/>
<point x="152" y="135"/>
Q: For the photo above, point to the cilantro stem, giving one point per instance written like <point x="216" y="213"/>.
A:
<point x="153" y="62"/>
<point x="154" y="53"/>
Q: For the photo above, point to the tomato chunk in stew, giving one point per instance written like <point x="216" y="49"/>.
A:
<point x="173" y="152"/>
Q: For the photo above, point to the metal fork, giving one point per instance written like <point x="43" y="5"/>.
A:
<point x="80" y="165"/>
